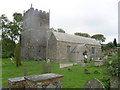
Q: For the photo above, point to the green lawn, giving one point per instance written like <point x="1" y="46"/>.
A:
<point x="74" y="79"/>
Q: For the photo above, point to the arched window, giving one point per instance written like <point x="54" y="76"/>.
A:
<point x="93" y="50"/>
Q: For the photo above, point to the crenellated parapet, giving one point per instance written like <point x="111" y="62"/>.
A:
<point x="36" y="12"/>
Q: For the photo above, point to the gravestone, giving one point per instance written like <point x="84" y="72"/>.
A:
<point x="46" y="67"/>
<point x="114" y="82"/>
<point x="25" y="71"/>
<point x="96" y="72"/>
<point x="98" y="63"/>
<point x="83" y="65"/>
<point x="86" y="71"/>
<point x="94" y="84"/>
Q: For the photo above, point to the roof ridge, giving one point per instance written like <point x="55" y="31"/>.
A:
<point x="73" y="35"/>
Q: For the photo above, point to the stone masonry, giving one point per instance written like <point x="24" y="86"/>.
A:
<point x="50" y="80"/>
<point x="38" y="42"/>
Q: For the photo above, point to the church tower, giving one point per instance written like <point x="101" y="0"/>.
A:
<point x="34" y="34"/>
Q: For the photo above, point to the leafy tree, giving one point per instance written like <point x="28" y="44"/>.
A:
<point x="99" y="37"/>
<point x="4" y="26"/>
<point x="60" y="30"/>
<point x="10" y="29"/>
<point x="115" y="42"/>
<point x="18" y="17"/>
<point x="108" y="46"/>
<point x="82" y="34"/>
<point x="52" y="29"/>
<point x="7" y="43"/>
<point x="10" y="33"/>
<point x="57" y="30"/>
<point x="8" y="47"/>
<point x="118" y="44"/>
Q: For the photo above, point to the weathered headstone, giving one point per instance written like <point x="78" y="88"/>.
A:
<point x="98" y="63"/>
<point x="94" y="84"/>
<point x="83" y="65"/>
<point x="25" y="71"/>
<point x="46" y="68"/>
<point x="86" y="71"/>
<point x="115" y="82"/>
<point x="96" y="72"/>
<point x="70" y="70"/>
<point x="105" y="57"/>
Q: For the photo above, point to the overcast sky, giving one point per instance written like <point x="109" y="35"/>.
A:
<point x="86" y="16"/>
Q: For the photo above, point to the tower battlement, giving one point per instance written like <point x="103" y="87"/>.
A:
<point x="36" y="12"/>
<point x="35" y="19"/>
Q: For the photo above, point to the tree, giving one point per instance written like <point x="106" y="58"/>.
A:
<point x="8" y="44"/>
<point x="60" y="30"/>
<point x="10" y="29"/>
<point x="57" y="30"/>
<point x="4" y="26"/>
<point x="99" y="37"/>
<point x="8" y="47"/>
<point x="18" y="17"/>
<point x="10" y="33"/>
<point x="17" y="27"/>
<point x="115" y="42"/>
<point x="52" y="29"/>
<point x="82" y="34"/>
<point x="118" y="44"/>
<point x="108" y="46"/>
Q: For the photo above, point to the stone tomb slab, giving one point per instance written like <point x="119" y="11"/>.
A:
<point x="50" y="80"/>
<point x="16" y="82"/>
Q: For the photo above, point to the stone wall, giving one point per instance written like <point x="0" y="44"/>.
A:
<point x="75" y="52"/>
<point x="52" y="48"/>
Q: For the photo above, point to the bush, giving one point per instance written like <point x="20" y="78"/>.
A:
<point x="8" y="47"/>
<point x="17" y="55"/>
<point x="112" y="65"/>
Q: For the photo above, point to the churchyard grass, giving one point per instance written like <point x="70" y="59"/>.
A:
<point x="72" y="79"/>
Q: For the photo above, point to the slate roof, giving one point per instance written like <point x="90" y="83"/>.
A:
<point x="74" y="38"/>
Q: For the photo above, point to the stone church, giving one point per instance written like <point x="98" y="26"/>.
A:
<point x="39" y="42"/>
